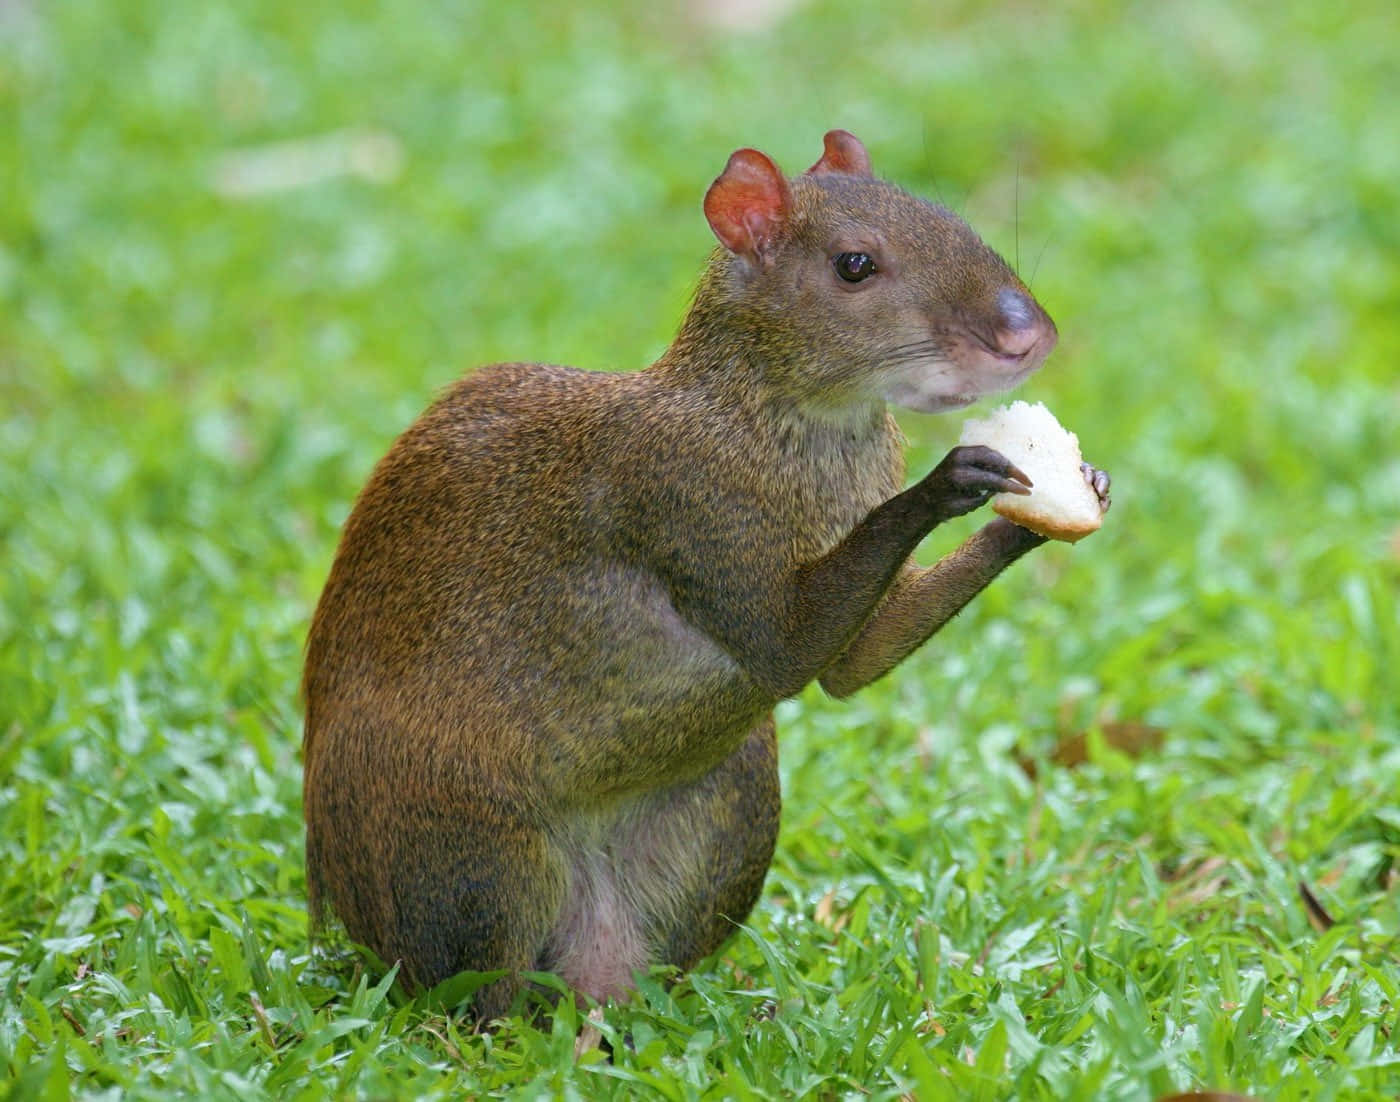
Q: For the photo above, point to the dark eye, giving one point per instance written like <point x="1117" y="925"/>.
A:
<point x="853" y="267"/>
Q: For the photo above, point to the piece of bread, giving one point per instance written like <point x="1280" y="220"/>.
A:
<point x="1061" y="505"/>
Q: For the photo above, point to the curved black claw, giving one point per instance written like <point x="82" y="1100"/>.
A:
<point x="970" y="475"/>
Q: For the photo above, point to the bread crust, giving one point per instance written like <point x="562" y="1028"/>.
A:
<point x="1063" y="507"/>
<point x="1043" y="522"/>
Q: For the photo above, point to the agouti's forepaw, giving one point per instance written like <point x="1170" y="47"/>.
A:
<point x="969" y="477"/>
<point x="1099" y="482"/>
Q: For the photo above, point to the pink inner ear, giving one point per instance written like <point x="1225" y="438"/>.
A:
<point x="748" y="204"/>
<point x="844" y="152"/>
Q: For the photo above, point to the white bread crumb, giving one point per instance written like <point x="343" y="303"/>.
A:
<point x="1061" y="505"/>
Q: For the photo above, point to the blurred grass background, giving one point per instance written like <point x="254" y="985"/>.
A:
<point x="242" y="244"/>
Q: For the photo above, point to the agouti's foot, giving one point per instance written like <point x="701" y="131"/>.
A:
<point x="1099" y="482"/>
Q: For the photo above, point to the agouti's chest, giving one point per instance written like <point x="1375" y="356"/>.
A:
<point x="824" y="479"/>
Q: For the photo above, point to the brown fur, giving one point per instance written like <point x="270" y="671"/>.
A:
<point x="540" y="679"/>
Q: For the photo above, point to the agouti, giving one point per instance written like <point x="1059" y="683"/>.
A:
<point x="540" y="681"/>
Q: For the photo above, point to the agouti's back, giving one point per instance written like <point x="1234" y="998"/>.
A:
<point x="506" y="553"/>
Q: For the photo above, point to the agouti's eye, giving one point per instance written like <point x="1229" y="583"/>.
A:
<point x="853" y="267"/>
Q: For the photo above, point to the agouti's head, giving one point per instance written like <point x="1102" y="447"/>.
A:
<point x="854" y="290"/>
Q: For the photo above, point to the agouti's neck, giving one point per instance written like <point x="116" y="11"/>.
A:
<point x="722" y="353"/>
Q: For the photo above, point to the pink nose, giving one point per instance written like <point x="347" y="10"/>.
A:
<point x="1025" y="327"/>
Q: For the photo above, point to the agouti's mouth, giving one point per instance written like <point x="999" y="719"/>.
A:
<point x="1001" y="354"/>
<point x="1020" y="345"/>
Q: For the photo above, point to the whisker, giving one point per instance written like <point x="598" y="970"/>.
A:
<point x="933" y="344"/>
<point x="1030" y="283"/>
<point x="1017" y="218"/>
<point x="911" y="353"/>
<point x="911" y="349"/>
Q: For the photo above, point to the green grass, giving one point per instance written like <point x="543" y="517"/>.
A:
<point x="194" y="386"/>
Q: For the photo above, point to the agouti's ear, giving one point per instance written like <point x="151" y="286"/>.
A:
<point x="748" y="205"/>
<point x="843" y="153"/>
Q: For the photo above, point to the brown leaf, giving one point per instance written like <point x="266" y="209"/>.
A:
<point x="1202" y="881"/>
<point x="589" y="1036"/>
<point x="1317" y="913"/>
<point x="1127" y="737"/>
<point x="71" y="1019"/>
<point x="1207" y="1096"/>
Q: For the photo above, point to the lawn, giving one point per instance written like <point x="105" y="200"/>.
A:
<point x="1130" y="825"/>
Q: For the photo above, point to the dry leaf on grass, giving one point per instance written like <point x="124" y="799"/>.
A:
<point x="1317" y="913"/>
<point x="1127" y="737"/>
<point x="1208" y="1096"/>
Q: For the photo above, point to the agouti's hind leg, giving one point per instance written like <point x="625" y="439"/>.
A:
<point x="483" y="902"/>
<point x="696" y="855"/>
<point x="666" y="881"/>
